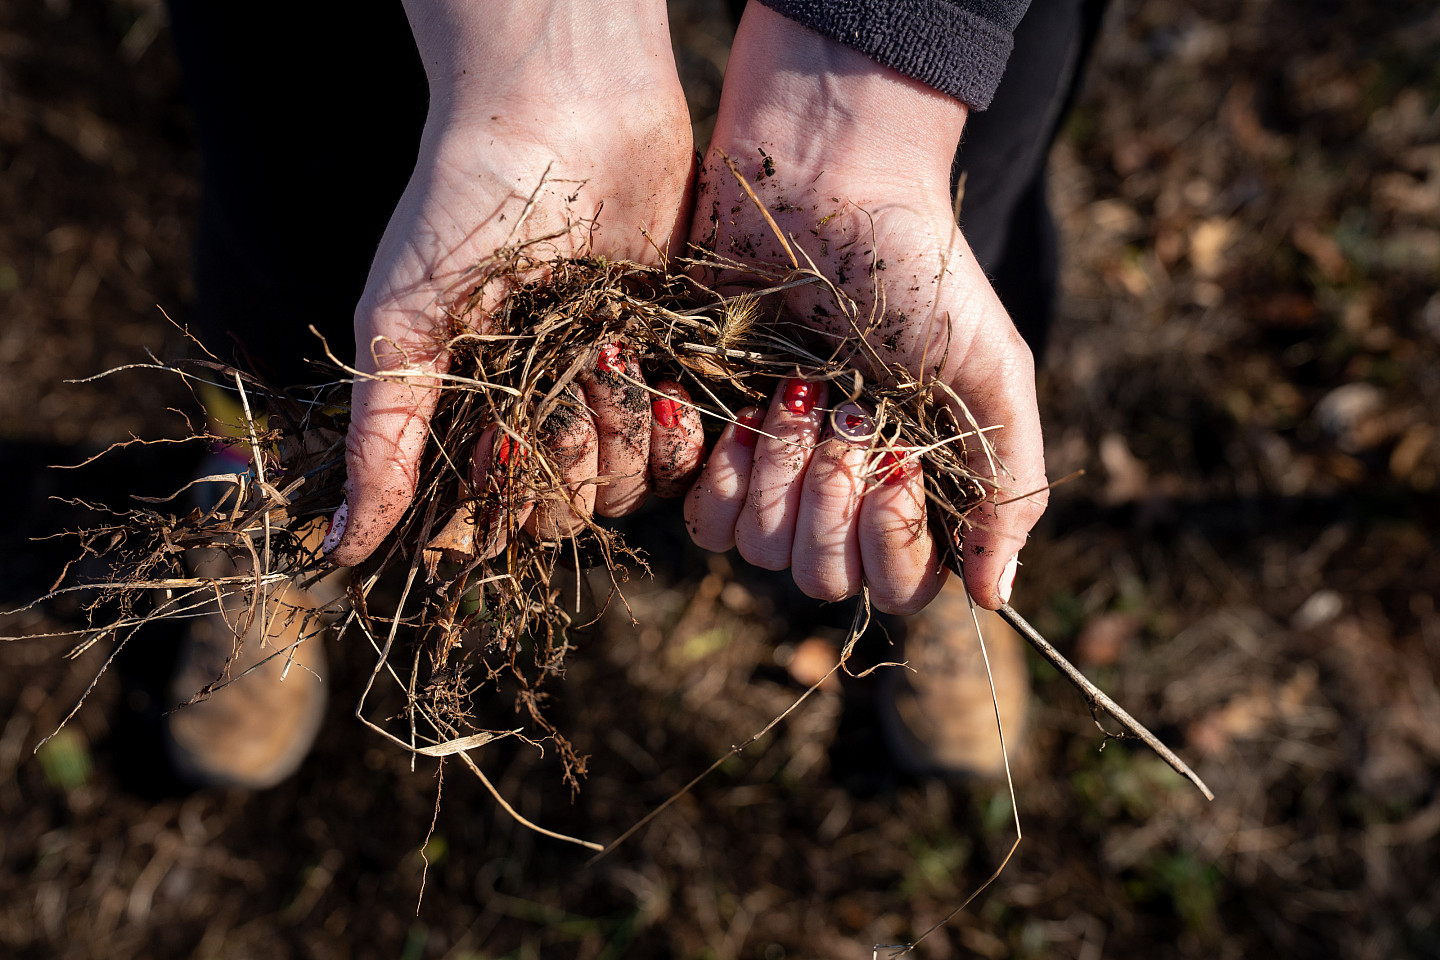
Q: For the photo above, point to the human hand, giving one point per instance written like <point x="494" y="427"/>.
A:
<point x="853" y="161"/>
<point x="581" y="96"/>
<point x="661" y="438"/>
<point x="810" y="487"/>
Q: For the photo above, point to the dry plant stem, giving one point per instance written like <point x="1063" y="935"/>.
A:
<point x="733" y="751"/>
<point x="1069" y="477"/>
<point x="764" y="211"/>
<point x="515" y="814"/>
<point x="860" y="624"/>
<point x="903" y="948"/>
<point x="425" y="845"/>
<point x="1098" y="699"/>
<point x="459" y="746"/>
<point x="555" y="315"/>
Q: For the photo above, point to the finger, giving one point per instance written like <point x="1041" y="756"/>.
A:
<point x="496" y="470"/>
<point x="715" y="500"/>
<point x="765" y="532"/>
<point x="826" y="560"/>
<point x="1005" y="397"/>
<point x="903" y="563"/>
<point x="621" y="408"/>
<point x="389" y="425"/>
<point x="563" y="508"/>
<point x="677" y="440"/>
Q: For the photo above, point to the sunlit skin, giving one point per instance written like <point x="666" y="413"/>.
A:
<point x="519" y="92"/>
<point x="853" y="161"/>
<point x="848" y="153"/>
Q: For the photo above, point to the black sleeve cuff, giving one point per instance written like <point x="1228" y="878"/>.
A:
<point x="954" y="49"/>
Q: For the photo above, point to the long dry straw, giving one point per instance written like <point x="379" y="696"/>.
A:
<point x="498" y="620"/>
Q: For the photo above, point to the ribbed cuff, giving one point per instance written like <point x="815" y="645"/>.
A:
<point x="935" y="42"/>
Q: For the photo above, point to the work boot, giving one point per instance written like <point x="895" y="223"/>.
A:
<point x="938" y="717"/>
<point x="266" y="698"/>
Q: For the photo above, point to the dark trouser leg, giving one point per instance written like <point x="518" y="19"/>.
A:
<point x="308" y="117"/>
<point x="938" y="720"/>
<point x="1004" y="214"/>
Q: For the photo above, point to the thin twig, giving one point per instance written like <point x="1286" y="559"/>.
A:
<point x="1097" y="697"/>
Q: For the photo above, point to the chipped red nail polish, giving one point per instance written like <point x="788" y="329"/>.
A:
<point x="610" y="360"/>
<point x="854" y="421"/>
<point x="745" y="433"/>
<point x="892" y="470"/>
<point x="800" y="396"/>
<point x="507" y="450"/>
<point x="1007" y="578"/>
<point x="667" y="412"/>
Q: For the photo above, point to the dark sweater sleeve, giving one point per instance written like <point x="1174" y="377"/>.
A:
<point x="959" y="47"/>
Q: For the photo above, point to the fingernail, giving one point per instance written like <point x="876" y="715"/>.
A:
<point x="507" y="449"/>
<point x="610" y="360"/>
<point x="892" y="469"/>
<point x="1007" y="578"/>
<point x="337" y="527"/>
<point x="746" y="433"/>
<point x="800" y="396"/>
<point x="852" y="423"/>
<point x="667" y="412"/>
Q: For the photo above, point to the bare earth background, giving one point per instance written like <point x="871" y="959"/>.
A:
<point x="1248" y="364"/>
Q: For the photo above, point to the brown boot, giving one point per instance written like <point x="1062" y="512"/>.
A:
<point x="938" y="717"/>
<point x="256" y="725"/>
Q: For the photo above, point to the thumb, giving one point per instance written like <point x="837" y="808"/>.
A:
<point x="997" y="385"/>
<point x="389" y="424"/>
<point x="398" y="331"/>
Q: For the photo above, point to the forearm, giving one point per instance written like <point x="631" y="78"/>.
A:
<point x="959" y="47"/>
<point x="828" y="100"/>
<point x="553" y="52"/>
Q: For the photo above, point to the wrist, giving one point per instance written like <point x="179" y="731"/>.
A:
<point x="523" y="56"/>
<point x="814" y="100"/>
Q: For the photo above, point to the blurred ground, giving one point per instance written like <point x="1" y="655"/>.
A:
<point x="1248" y="363"/>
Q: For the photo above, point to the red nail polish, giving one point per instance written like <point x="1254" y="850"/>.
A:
<point x="610" y="360"/>
<point x="892" y="469"/>
<point x="854" y="421"/>
<point x="507" y="450"/>
<point x="336" y="530"/>
<point x="667" y="412"/>
<point x="800" y="396"/>
<point x="745" y="433"/>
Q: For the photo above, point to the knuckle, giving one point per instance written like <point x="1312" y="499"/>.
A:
<point x="708" y="539"/>
<point x="893" y="605"/>
<point x="830" y="501"/>
<point x="891" y="596"/>
<point x="1027" y="512"/>
<point x="760" y="554"/>
<point x="816" y="585"/>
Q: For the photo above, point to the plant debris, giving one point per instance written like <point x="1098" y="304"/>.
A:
<point x="482" y="613"/>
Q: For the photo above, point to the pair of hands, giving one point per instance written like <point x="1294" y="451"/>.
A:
<point x="585" y="96"/>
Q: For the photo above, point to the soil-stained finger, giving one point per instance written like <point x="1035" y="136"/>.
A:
<point x="765" y="532"/>
<point x="715" y="499"/>
<point x="621" y="407"/>
<point x="903" y="565"/>
<point x="383" y="448"/>
<point x="826" y="561"/>
<point x="497" y="471"/>
<point x="677" y="440"/>
<point x="569" y="438"/>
